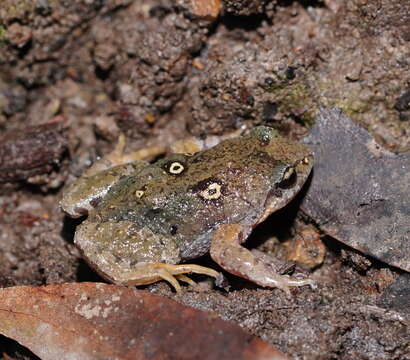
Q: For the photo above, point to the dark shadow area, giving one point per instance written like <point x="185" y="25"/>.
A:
<point x="102" y="74"/>
<point x="85" y="273"/>
<point x="69" y="226"/>
<point x="248" y="23"/>
<point x="10" y="349"/>
<point x="304" y="3"/>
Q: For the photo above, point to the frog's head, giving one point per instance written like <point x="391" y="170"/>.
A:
<point x="292" y="161"/>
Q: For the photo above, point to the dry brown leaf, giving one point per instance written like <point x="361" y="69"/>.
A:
<point x="99" y="321"/>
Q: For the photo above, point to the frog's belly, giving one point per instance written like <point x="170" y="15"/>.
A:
<point x="196" y="247"/>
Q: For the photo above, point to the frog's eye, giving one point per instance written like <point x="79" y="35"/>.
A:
<point x="288" y="177"/>
<point x="212" y="192"/>
<point x="175" y="167"/>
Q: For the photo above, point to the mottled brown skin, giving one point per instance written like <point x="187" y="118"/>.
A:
<point x="182" y="207"/>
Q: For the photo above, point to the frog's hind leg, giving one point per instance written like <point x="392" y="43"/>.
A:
<point x="227" y="251"/>
<point x="124" y="253"/>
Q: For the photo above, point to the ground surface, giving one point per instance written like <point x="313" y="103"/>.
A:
<point x="83" y="71"/>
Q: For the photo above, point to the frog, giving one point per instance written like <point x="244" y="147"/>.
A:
<point x="148" y="221"/>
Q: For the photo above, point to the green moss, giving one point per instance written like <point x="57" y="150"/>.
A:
<point x="2" y="33"/>
<point x="294" y="97"/>
<point x="17" y="8"/>
<point x="2" y="41"/>
<point x="352" y="106"/>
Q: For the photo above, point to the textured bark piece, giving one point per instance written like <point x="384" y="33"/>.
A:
<point x="359" y="192"/>
<point x="31" y="152"/>
<point x="397" y="295"/>
<point x="100" y="321"/>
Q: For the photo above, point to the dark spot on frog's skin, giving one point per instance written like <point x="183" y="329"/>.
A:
<point x="152" y="214"/>
<point x="174" y="229"/>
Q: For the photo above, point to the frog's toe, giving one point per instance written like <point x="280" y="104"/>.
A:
<point x="284" y="282"/>
<point x="173" y="280"/>
<point x="172" y="273"/>
<point x="178" y="271"/>
<point x="143" y="274"/>
<point x="165" y="275"/>
<point x="190" y="269"/>
<point x="186" y="280"/>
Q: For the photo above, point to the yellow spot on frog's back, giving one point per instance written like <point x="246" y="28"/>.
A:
<point x="176" y="168"/>
<point x="212" y="192"/>
<point x="139" y="194"/>
<point x="305" y="161"/>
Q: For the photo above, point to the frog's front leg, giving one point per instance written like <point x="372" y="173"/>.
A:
<point x="227" y="251"/>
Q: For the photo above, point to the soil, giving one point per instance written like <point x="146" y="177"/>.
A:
<point x="79" y="73"/>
